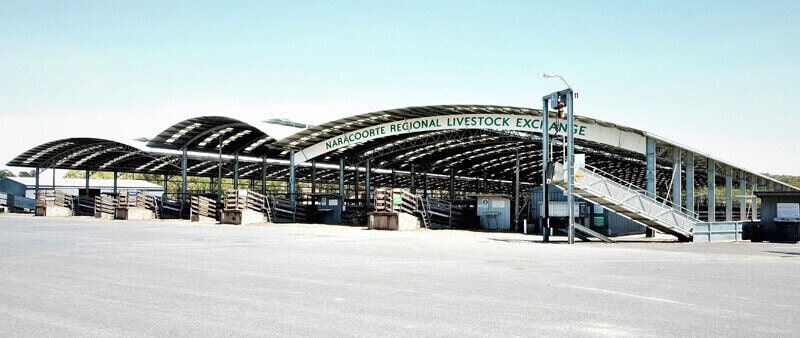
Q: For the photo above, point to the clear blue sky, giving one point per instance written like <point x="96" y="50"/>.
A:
<point x="717" y="76"/>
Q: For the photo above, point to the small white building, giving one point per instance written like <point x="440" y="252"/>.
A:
<point x="494" y="211"/>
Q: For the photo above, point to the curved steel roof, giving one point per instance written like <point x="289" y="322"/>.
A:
<point x="210" y="133"/>
<point x="472" y="155"/>
<point x="94" y="154"/>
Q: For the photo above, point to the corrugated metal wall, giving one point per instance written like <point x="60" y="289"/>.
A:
<point x="613" y="223"/>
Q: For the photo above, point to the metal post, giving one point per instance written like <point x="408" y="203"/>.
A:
<point x="571" y="165"/>
<point x="367" y="187"/>
<point x="728" y="194"/>
<point x="291" y="177"/>
<point x="236" y="171"/>
<point x="413" y="188"/>
<point x="54" y="180"/>
<point x="264" y="175"/>
<point x="36" y="187"/>
<point x="87" y="181"/>
<point x="712" y="201"/>
<point x="116" y="175"/>
<point x="341" y="178"/>
<point x="754" y="201"/>
<point x="650" y="150"/>
<point x="166" y="183"/>
<point x="313" y="176"/>
<point x="743" y="195"/>
<point x="425" y="185"/>
<point x="485" y="183"/>
<point x="393" y="179"/>
<point x="516" y="195"/>
<point x="690" y="181"/>
<point x="452" y="184"/>
<point x="219" y="173"/>
<point x="356" y="178"/>
<point x="677" y="194"/>
<point x="545" y="219"/>
<point x="183" y="176"/>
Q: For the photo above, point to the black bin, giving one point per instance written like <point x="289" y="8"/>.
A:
<point x="757" y="233"/>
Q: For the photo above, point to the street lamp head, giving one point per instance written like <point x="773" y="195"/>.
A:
<point x="551" y="75"/>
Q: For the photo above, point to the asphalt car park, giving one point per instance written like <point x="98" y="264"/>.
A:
<point x="85" y="276"/>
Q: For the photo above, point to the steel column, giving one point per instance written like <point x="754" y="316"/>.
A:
<point x="291" y="177"/>
<point x="516" y="195"/>
<point x="236" y="171"/>
<point x="356" y="178"/>
<point x="87" y="181"/>
<point x="742" y="195"/>
<point x="341" y="178"/>
<point x="544" y="222"/>
<point x="183" y="176"/>
<point x="116" y="174"/>
<point x="571" y="166"/>
<point x="264" y="175"/>
<point x="413" y="174"/>
<point x="393" y="178"/>
<point x="425" y="185"/>
<point x="367" y="187"/>
<point x="452" y="184"/>
<point x="313" y="176"/>
<point x="754" y="201"/>
<point x="219" y="173"/>
<point x="677" y="194"/>
<point x="690" y="181"/>
<point x="651" y="174"/>
<point x="728" y="194"/>
<point x="712" y="198"/>
<point x="36" y="188"/>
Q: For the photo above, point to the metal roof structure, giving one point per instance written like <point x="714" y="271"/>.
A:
<point x="211" y="134"/>
<point x="473" y="156"/>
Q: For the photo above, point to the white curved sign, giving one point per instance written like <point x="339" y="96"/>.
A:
<point x="588" y="131"/>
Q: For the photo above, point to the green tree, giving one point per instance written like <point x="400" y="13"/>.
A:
<point x="5" y="173"/>
<point x="791" y="180"/>
<point x="31" y="173"/>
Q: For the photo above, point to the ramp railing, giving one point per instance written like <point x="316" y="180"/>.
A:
<point x="619" y="195"/>
<point x="203" y="206"/>
<point x="138" y="199"/>
<point x="104" y="205"/>
<point x="54" y="197"/>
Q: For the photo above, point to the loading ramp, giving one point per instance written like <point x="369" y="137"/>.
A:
<point x="593" y="185"/>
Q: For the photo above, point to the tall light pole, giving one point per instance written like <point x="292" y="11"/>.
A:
<point x="558" y="100"/>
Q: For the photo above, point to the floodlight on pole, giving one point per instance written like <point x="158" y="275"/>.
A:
<point x="551" y="75"/>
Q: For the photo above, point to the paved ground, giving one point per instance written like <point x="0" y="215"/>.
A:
<point x="83" y="276"/>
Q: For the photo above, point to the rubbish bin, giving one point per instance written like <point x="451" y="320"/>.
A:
<point x="757" y="233"/>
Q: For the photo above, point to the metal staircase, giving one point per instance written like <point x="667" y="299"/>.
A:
<point x="424" y="211"/>
<point x="626" y="199"/>
<point x="268" y="211"/>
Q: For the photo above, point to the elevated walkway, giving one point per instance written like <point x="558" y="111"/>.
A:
<point x="597" y="187"/>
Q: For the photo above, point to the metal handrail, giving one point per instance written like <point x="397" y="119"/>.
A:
<point x="628" y="186"/>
